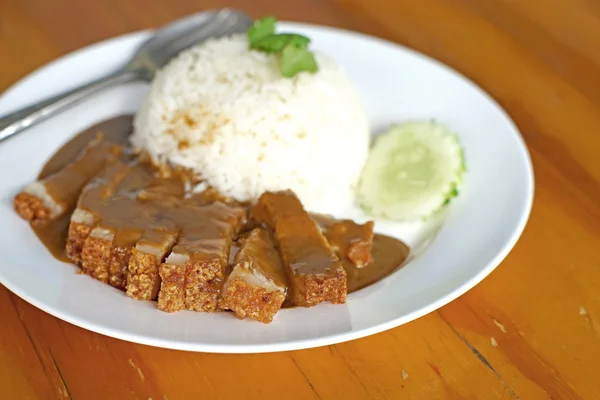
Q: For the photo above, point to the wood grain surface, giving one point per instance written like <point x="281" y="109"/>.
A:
<point x="528" y="331"/>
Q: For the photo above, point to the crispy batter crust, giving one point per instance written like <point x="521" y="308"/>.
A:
<point x="143" y="280"/>
<point x="197" y="276"/>
<point x="77" y="235"/>
<point x="205" y="297"/>
<point x="31" y="208"/>
<point x="95" y="258"/>
<point x="183" y="287"/>
<point x="319" y="288"/>
<point x="172" y="293"/>
<point x="248" y="301"/>
<point x="119" y="260"/>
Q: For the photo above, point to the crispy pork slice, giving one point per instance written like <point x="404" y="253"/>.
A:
<point x="314" y="271"/>
<point x="95" y="255"/>
<point x="171" y="297"/>
<point x="256" y="287"/>
<point x="178" y="292"/>
<point x="203" y="297"/>
<point x="84" y="218"/>
<point x="119" y="218"/>
<point x="351" y="242"/>
<point x="123" y="243"/>
<point x="182" y="287"/>
<point x="201" y="256"/>
<point x="80" y="226"/>
<point x="56" y="194"/>
<point x="143" y="280"/>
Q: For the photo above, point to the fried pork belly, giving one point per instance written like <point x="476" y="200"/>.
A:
<point x="256" y="287"/>
<point x="194" y="272"/>
<point x="314" y="271"/>
<point x="56" y="194"/>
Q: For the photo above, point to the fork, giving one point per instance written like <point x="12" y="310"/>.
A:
<point x="149" y="58"/>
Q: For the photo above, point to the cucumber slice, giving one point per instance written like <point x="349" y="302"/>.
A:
<point x="412" y="171"/>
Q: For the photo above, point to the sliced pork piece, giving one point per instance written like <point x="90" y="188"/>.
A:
<point x="201" y="256"/>
<point x="256" y="287"/>
<point x="95" y="255"/>
<point x="202" y="296"/>
<point x="315" y="272"/>
<point x="53" y="196"/>
<point x="106" y="252"/>
<point x="115" y="221"/>
<point x="80" y="226"/>
<point x="86" y="216"/>
<point x="123" y="243"/>
<point x="171" y="297"/>
<point x="143" y="280"/>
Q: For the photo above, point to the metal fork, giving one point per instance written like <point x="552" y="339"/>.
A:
<point x="150" y="57"/>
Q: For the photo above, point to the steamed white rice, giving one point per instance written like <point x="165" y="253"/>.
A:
<point x="226" y="113"/>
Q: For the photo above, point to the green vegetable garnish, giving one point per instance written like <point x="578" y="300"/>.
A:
<point x="296" y="59"/>
<point x="261" y="28"/>
<point x="276" y="43"/>
<point x="291" y="48"/>
<point x="453" y="193"/>
<point x="413" y="170"/>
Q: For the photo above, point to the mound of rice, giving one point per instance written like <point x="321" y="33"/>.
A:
<point x="226" y="113"/>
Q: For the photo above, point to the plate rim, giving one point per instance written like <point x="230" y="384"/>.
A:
<point x="458" y="291"/>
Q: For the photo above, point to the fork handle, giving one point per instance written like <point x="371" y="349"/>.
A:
<point x="19" y="120"/>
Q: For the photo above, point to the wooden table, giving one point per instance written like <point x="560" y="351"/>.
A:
<point x="529" y="331"/>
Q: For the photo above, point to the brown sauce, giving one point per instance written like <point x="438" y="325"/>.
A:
<point x="53" y="234"/>
<point x="115" y="129"/>
<point x="388" y="254"/>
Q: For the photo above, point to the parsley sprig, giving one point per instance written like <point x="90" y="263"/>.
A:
<point x="291" y="49"/>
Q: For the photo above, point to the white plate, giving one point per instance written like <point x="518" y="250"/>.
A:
<point x="396" y="84"/>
